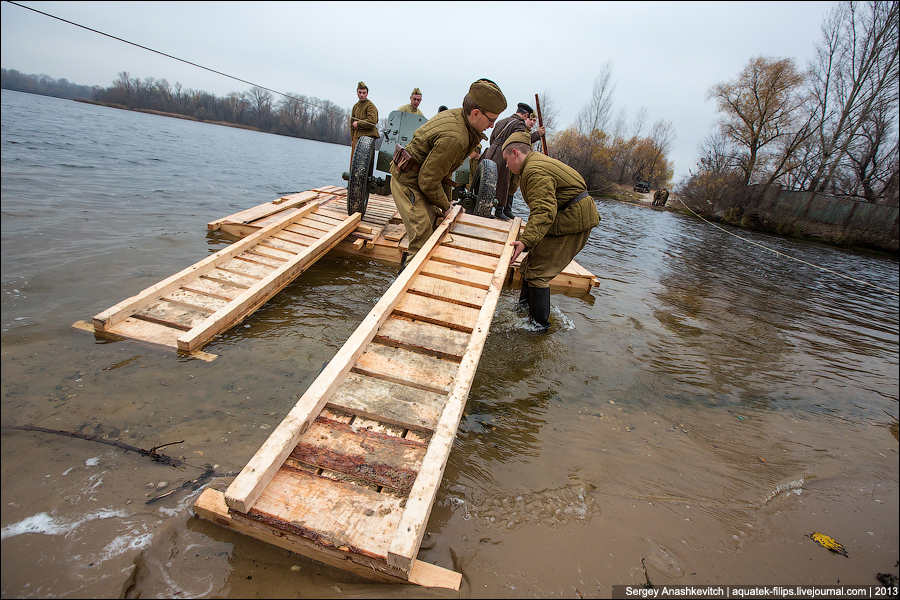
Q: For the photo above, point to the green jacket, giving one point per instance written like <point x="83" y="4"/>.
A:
<point x="439" y="146"/>
<point x="408" y="108"/>
<point x="364" y="110"/>
<point x="546" y="184"/>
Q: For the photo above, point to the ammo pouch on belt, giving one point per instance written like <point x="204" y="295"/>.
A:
<point x="403" y="160"/>
<point x="569" y="203"/>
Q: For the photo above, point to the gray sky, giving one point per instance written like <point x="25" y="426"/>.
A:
<point x="665" y="56"/>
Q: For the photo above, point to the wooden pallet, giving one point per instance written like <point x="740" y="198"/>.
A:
<point x="349" y="477"/>
<point x="189" y="308"/>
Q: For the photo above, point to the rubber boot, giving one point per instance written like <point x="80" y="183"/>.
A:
<point x="539" y="305"/>
<point x="498" y="214"/>
<point x="507" y="210"/>
<point x="523" y="297"/>
<point x="403" y="259"/>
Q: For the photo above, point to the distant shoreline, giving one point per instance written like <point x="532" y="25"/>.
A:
<point x="161" y="113"/>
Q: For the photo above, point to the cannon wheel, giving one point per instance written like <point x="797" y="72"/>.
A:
<point x="485" y="187"/>
<point x="361" y="168"/>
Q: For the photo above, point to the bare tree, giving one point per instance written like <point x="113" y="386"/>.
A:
<point x="595" y="115"/>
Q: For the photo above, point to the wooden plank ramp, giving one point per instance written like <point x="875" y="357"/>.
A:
<point x="186" y="310"/>
<point x="350" y="475"/>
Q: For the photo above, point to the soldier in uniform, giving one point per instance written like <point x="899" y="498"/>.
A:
<point x="420" y="173"/>
<point x="561" y="215"/>
<point x="363" y="118"/>
<point x="415" y="98"/>
<point x="521" y="120"/>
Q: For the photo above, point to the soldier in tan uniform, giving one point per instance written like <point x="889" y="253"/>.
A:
<point x="420" y="173"/>
<point x="363" y="118"/>
<point x="561" y="215"/>
<point x="415" y="98"/>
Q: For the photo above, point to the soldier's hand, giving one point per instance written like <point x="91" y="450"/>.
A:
<point x="355" y="124"/>
<point x="518" y="248"/>
<point x="542" y="130"/>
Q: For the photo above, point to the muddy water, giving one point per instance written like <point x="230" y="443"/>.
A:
<point x="690" y="421"/>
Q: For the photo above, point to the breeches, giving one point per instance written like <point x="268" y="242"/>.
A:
<point x="418" y="215"/>
<point x="551" y="255"/>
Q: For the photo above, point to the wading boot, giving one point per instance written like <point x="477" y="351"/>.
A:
<point x="498" y="214"/>
<point x="539" y="306"/>
<point x="403" y="259"/>
<point x="522" y="305"/>
<point x="507" y="210"/>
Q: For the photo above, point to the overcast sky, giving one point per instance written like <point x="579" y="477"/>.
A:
<point x="664" y="56"/>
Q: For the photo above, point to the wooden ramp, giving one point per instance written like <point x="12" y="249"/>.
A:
<point x="187" y="309"/>
<point x="349" y="477"/>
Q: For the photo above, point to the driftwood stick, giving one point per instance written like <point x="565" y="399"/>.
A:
<point x="157" y="457"/>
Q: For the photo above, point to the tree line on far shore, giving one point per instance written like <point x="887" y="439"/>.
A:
<point x="296" y="116"/>
<point x="830" y="128"/>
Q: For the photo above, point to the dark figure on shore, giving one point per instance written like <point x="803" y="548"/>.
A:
<point x="363" y="118"/>
<point x="561" y="215"/>
<point x="521" y="120"/>
<point x="660" y="197"/>
<point x="420" y="173"/>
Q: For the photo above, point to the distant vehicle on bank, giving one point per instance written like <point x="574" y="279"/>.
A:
<point x="642" y="186"/>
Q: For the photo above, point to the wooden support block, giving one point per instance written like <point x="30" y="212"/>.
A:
<point x="358" y="243"/>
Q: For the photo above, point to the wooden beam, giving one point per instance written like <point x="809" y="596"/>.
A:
<point x="127" y="307"/>
<point x="257" y="473"/>
<point x="264" y="210"/>
<point x="405" y="545"/>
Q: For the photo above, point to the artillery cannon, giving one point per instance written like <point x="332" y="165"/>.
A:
<point x="375" y="154"/>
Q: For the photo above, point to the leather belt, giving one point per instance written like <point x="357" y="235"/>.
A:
<point x="569" y="203"/>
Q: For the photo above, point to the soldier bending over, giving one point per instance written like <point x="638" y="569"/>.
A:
<point x="420" y="173"/>
<point x="561" y="215"/>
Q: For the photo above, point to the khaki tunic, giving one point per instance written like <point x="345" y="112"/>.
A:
<point x="439" y="146"/>
<point x="363" y="110"/>
<point x="408" y="108"/>
<point x="553" y="237"/>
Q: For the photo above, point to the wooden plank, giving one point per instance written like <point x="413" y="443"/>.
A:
<point x="212" y="288"/>
<point x="343" y="515"/>
<point x="191" y="299"/>
<point x="463" y="242"/>
<point x="394" y="232"/>
<point x="287" y="249"/>
<point x="308" y="221"/>
<point x="426" y="338"/>
<point x="389" y="402"/>
<point x="270" y="248"/>
<point x="294" y="238"/>
<point x="406" y="367"/>
<point x="126" y="307"/>
<point x="458" y="274"/>
<point x="144" y="331"/>
<point x="266" y="221"/>
<point x="405" y="544"/>
<point x="449" y="291"/>
<point x="249" y="268"/>
<point x="379" y="459"/>
<point x="431" y="310"/>
<point x="211" y="506"/>
<point x="484" y="222"/>
<point x="263" y="210"/>
<point x="260" y="292"/>
<point x="171" y="315"/>
<point x="465" y="258"/>
<point x="480" y="233"/>
<point x="228" y="278"/>
<point x="324" y="218"/>
<point x="305" y="230"/>
<point x="255" y="256"/>
<point x="247" y="486"/>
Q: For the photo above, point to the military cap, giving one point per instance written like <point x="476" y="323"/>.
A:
<point x="416" y="91"/>
<point x="487" y="95"/>
<point x="362" y="86"/>
<point x="524" y="109"/>
<point x="522" y="137"/>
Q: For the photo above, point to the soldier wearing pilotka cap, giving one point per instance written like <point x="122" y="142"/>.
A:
<point x="420" y="173"/>
<point x="415" y="98"/>
<point x="363" y="118"/>
<point x="561" y="215"/>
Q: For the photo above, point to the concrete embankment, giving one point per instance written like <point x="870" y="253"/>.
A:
<point x="822" y="217"/>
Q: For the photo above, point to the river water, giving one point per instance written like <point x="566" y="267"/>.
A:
<point x="689" y="421"/>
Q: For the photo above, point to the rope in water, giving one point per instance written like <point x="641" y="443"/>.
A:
<point x="827" y="270"/>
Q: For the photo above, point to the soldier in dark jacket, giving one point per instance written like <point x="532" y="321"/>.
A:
<point x="561" y="215"/>
<point x="363" y="118"/>
<point x="519" y="121"/>
<point x="421" y="186"/>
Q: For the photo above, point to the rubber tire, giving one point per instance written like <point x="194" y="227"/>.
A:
<point x="485" y="187"/>
<point x="361" y="168"/>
